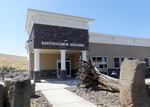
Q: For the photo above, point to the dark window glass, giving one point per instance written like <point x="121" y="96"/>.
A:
<point x="94" y="59"/>
<point x="104" y="59"/>
<point x="100" y="66"/>
<point x="116" y="62"/>
<point x="122" y="59"/>
<point x="99" y="59"/>
<point x="146" y="62"/>
<point x="101" y="62"/>
<point x="130" y="58"/>
<point x="105" y="66"/>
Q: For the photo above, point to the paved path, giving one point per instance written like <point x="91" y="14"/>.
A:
<point x="58" y="96"/>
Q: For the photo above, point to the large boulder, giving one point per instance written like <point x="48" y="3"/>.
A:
<point x="32" y="89"/>
<point x="7" y="82"/>
<point x="133" y="91"/>
<point x="1" y="95"/>
<point x="20" y="91"/>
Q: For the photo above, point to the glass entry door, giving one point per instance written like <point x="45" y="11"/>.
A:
<point x="68" y="68"/>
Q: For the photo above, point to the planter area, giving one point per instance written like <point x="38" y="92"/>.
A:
<point x="101" y="98"/>
<point x="38" y="100"/>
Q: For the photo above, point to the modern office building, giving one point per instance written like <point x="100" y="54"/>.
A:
<point x="57" y="42"/>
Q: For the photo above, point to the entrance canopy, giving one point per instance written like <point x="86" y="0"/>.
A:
<point x="52" y="32"/>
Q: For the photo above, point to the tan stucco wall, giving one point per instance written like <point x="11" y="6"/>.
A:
<point x="74" y="60"/>
<point x="111" y="51"/>
<point x="49" y="61"/>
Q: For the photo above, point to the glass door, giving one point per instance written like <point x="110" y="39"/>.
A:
<point x="68" y="68"/>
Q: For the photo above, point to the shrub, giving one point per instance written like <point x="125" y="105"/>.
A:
<point x="7" y="69"/>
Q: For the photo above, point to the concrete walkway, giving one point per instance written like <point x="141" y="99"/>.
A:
<point x="55" y="93"/>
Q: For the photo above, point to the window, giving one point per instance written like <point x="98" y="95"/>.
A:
<point x="146" y="62"/>
<point x="100" y="62"/>
<point x="94" y="59"/>
<point x="116" y="62"/>
<point x="130" y="58"/>
<point x="122" y="59"/>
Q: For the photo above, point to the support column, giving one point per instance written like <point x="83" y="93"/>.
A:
<point x="29" y="63"/>
<point x="84" y="55"/>
<point x="63" y="73"/>
<point x="37" y="65"/>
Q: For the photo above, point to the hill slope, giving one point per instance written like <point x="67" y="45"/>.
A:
<point x="18" y="62"/>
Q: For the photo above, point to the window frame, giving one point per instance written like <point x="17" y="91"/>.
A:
<point x="99" y="63"/>
<point x="119" y="61"/>
<point x="145" y="61"/>
<point x="122" y="59"/>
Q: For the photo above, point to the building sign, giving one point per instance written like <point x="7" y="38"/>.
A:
<point x="54" y="37"/>
<point x="62" y="44"/>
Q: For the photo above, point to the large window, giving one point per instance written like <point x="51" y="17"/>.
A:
<point x="100" y="62"/>
<point x="146" y="62"/>
<point x="116" y="62"/>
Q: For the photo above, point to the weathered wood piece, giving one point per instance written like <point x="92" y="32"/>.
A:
<point x="111" y="84"/>
<point x="89" y="76"/>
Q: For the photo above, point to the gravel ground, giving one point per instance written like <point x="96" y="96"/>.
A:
<point x="100" y="98"/>
<point x="39" y="100"/>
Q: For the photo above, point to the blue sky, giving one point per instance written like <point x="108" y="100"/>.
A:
<point x="122" y="17"/>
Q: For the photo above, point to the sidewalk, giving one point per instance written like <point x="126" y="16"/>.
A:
<point x="59" y="97"/>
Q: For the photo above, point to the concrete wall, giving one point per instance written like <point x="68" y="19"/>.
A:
<point x="122" y="51"/>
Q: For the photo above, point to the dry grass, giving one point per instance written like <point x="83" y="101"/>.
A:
<point x="19" y="62"/>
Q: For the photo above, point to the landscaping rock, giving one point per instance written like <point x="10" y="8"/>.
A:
<point x="32" y="89"/>
<point x="100" y="98"/>
<point x="63" y="74"/>
<point x="7" y="82"/>
<point x="39" y="100"/>
<point x="20" y="91"/>
<point x="1" y="95"/>
<point x="133" y="91"/>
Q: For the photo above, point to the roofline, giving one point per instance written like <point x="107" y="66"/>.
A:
<point x="60" y="14"/>
<point x="119" y="36"/>
<point x="118" y="40"/>
<point x="57" y="14"/>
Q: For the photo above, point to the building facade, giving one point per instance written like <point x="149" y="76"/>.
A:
<point x="57" y="42"/>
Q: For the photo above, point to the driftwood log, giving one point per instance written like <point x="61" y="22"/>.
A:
<point x="90" y="76"/>
<point x="109" y="83"/>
